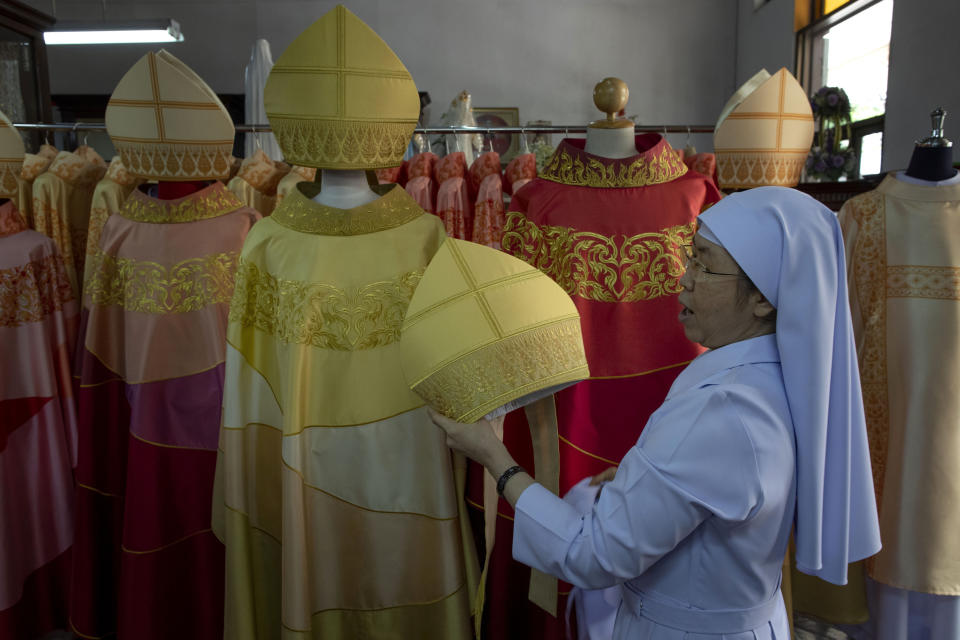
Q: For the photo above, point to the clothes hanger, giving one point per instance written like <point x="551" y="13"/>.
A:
<point x="689" y="149"/>
<point x="524" y="143"/>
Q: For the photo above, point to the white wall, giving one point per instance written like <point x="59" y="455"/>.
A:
<point x="924" y="56"/>
<point x="765" y="38"/>
<point x="543" y="56"/>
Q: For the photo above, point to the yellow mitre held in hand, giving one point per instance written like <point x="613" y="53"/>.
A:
<point x="764" y="133"/>
<point x="339" y="97"/>
<point x="167" y="124"/>
<point x="11" y="157"/>
<point x="485" y="330"/>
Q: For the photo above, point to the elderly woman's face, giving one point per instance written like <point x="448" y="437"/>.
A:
<point x="713" y="313"/>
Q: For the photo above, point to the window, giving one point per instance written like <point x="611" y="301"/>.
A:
<point x="847" y="45"/>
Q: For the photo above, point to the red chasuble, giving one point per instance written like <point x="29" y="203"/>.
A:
<point x="609" y="232"/>
<point x="146" y="564"/>
<point x="38" y="430"/>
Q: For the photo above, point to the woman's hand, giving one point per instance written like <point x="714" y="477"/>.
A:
<point x="477" y="441"/>
<point x="604" y="476"/>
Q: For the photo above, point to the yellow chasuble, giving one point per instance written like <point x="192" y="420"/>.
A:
<point x="903" y="264"/>
<point x="256" y="182"/>
<point x="336" y="495"/>
<point x="291" y="180"/>
<point x="108" y="197"/>
<point x="33" y="166"/>
<point x="61" y="206"/>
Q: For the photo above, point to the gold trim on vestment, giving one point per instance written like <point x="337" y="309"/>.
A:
<point x="306" y="484"/>
<point x="166" y="546"/>
<point x="246" y="515"/>
<point x="168" y="446"/>
<point x="299" y="212"/>
<point x="103" y="363"/>
<point x="73" y="627"/>
<point x="9" y="172"/>
<point x="592" y="266"/>
<point x="103" y="493"/>
<point x="917" y="281"/>
<point x="341" y="143"/>
<point x="581" y="169"/>
<point x="32" y="291"/>
<point x="176" y="160"/>
<point x="211" y="202"/>
<point x="642" y="373"/>
<point x="585" y="452"/>
<point x="483" y="379"/>
<point x="869" y="264"/>
<point x="321" y="314"/>
<point x="150" y="287"/>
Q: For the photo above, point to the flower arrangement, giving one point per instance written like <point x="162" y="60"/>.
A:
<point x="831" y="158"/>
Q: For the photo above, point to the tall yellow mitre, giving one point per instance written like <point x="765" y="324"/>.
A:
<point x="484" y="330"/>
<point x="167" y="124"/>
<point x="764" y="133"/>
<point x="339" y="97"/>
<point x="11" y="157"/>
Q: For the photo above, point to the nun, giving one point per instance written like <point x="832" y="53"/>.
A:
<point x="761" y="436"/>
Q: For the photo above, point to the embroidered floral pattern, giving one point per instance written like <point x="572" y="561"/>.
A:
<point x="938" y="283"/>
<point x="33" y="290"/>
<point x="320" y="314"/>
<point x="869" y="265"/>
<point x="393" y="209"/>
<point x="212" y="202"/>
<point x="11" y="221"/>
<point x="583" y="170"/>
<point x="588" y="265"/>
<point x="548" y="355"/>
<point x="150" y="287"/>
<point x="172" y="161"/>
<point x="338" y="144"/>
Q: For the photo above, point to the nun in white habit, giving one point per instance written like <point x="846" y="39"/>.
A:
<point x="760" y="436"/>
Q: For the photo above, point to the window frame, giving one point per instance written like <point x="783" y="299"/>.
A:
<point x="809" y="59"/>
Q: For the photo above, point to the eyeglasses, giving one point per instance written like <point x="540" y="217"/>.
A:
<point x="690" y="251"/>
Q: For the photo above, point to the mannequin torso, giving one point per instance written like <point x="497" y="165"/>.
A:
<point x="611" y="143"/>
<point x="931" y="164"/>
<point x="344" y="189"/>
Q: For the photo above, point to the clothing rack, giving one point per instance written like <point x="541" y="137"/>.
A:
<point x="265" y="128"/>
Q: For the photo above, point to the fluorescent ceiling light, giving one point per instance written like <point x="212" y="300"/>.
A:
<point x="152" y="31"/>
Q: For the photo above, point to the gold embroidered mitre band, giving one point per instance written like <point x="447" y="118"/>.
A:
<point x="11" y="157"/>
<point x="167" y="124"/>
<point x="485" y="329"/>
<point x="340" y="98"/>
<point x="764" y="133"/>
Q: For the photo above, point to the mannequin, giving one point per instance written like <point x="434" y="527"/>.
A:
<point x="932" y="156"/>
<point x="344" y="189"/>
<point x="611" y="137"/>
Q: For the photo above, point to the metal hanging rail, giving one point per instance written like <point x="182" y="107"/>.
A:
<point x="264" y="128"/>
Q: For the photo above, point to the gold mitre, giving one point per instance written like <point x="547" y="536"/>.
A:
<point x="167" y="124"/>
<point x="484" y="330"/>
<point x="764" y="133"/>
<point x="339" y="97"/>
<point x="11" y="157"/>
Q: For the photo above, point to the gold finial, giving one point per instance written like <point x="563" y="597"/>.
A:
<point x="611" y="95"/>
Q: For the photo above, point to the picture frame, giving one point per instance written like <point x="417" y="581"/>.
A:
<point x="507" y="145"/>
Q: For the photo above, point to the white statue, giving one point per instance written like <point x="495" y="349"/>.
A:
<point x="460" y="114"/>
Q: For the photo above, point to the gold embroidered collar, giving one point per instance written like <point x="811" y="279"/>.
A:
<point x="210" y="202"/>
<point x="300" y="213"/>
<point x="571" y="165"/>
<point x="11" y="221"/>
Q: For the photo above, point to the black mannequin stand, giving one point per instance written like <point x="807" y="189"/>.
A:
<point x="933" y="156"/>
